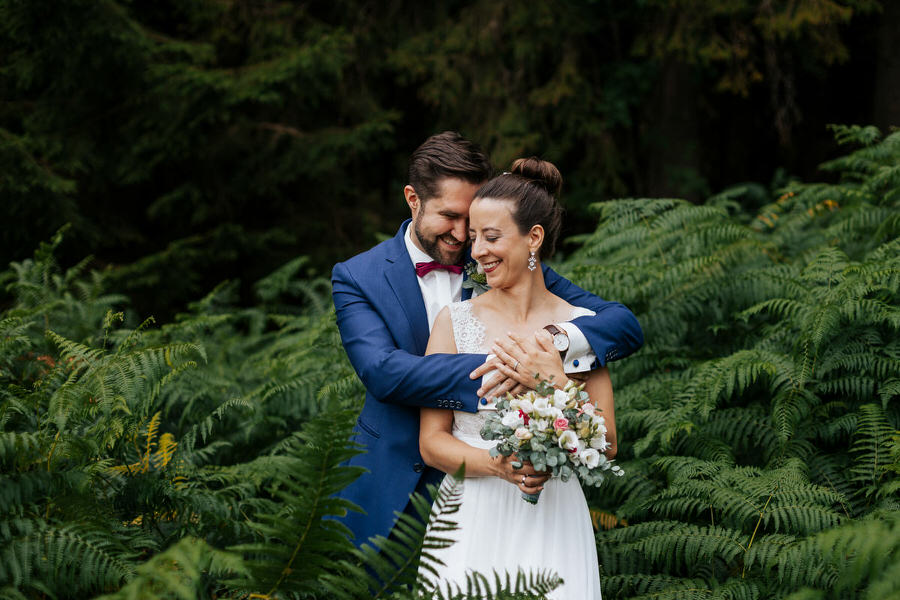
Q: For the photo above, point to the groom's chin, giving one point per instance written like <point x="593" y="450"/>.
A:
<point x="448" y="258"/>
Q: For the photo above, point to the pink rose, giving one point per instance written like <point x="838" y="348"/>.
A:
<point x="561" y="423"/>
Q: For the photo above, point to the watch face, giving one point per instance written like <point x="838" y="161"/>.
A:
<point x="561" y="342"/>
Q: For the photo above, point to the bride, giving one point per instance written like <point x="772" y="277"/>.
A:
<point x="514" y="221"/>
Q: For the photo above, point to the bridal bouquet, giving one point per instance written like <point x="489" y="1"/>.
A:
<point x="555" y="430"/>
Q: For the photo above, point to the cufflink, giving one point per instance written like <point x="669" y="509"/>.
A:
<point x="575" y="362"/>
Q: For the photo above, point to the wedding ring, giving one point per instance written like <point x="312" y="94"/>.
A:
<point x="516" y="366"/>
<point x="523" y="479"/>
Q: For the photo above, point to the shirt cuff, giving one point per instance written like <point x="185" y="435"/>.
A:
<point x="580" y="356"/>
<point x="484" y="403"/>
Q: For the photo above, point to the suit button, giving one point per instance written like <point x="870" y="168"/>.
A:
<point x="418" y="467"/>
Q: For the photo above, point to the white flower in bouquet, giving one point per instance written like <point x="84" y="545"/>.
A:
<point x="560" y="399"/>
<point x="523" y="433"/>
<point x="540" y="425"/>
<point x="579" y="447"/>
<point x="542" y="407"/>
<point x="512" y="420"/>
<point x="588" y="409"/>
<point x="589" y="458"/>
<point x="599" y="443"/>
<point x="568" y="440"/>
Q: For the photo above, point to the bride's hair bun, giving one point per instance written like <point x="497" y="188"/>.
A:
<point x="540" y="171"/>
<point x="533" y="185"/>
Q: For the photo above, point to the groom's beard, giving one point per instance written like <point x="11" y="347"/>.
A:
<point x="433" y="249"/>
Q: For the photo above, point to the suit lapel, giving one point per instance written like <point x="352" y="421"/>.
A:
<point x="401" y="277"/>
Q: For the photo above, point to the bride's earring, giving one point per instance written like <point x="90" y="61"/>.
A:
<point x="532" y="262"/>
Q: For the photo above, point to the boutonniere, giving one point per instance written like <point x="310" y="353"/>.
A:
<point x="475" y="279"/>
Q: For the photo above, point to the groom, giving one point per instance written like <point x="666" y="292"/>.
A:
<point x="386" y="300"/>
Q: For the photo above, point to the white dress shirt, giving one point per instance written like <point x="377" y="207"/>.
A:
<point x="439" y="287"/>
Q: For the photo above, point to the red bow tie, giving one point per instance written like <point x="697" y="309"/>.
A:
<point x="423" y="268"/>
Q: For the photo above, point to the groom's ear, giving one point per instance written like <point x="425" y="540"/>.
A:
<point x="412" y="199"/>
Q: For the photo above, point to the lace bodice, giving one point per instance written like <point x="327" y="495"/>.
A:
<point x="469" y="333"/>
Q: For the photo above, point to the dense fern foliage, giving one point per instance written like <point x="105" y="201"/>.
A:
<point x="759" y="424"/>
<point x="137" y="464"/>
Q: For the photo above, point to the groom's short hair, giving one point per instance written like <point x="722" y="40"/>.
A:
<point x="446" y="154"/>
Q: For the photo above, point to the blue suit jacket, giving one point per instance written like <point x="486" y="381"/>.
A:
<point x="384" y="329"/>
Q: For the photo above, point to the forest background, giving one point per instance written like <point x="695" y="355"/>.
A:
<point x="177" y="178"/>
<point x="195" y="141"/>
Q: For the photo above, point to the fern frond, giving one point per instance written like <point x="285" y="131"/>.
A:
<point x="296" y="541"/>
<point x="188" y="570"/>
<point x="871" y="449"/>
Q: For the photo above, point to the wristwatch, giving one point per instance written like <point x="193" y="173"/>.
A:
<point x="560" y="339"/>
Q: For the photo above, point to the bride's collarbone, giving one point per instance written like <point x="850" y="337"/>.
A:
<point x="498" y="320"/>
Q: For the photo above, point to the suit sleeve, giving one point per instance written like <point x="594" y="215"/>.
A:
<point x="389" y="373"/>
<point x="614" y="332"/>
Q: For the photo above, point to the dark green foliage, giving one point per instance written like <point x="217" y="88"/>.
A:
<point x="759" y="425"/>
<point x="298" y="543"/>
<point x="761" y="417"/>
<point x="192" y="141"/>
<point x="131" y="459"/>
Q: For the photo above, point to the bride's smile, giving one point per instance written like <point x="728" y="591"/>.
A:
<point x="488" y="267"/>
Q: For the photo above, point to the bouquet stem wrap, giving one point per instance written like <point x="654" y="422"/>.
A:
<point x="531" y="498"/>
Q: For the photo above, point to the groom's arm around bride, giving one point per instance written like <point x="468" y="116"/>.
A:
<point x="384" y="309"/>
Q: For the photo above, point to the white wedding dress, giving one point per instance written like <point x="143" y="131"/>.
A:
<point x="498" y="530"/>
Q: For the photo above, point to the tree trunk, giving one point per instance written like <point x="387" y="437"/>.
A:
<point x="673" y="159"/>
<point x="887" y="68"/>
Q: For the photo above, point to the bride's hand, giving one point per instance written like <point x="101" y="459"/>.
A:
<point x="529" y="360"/>
<point x="525" y="477"/>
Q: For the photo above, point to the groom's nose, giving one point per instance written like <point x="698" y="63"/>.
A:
<point x="460" y="230"/>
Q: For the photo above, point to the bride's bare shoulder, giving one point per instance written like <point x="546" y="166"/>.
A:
<point x="561" y="308"/>
<point x="482" y="302"/>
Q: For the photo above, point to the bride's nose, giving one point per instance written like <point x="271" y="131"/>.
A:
<point x="478" y="247"/>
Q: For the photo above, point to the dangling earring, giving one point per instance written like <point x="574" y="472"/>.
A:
<point x="532" y="262"/>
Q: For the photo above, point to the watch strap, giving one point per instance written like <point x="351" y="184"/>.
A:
<point x="554" y="331"/>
